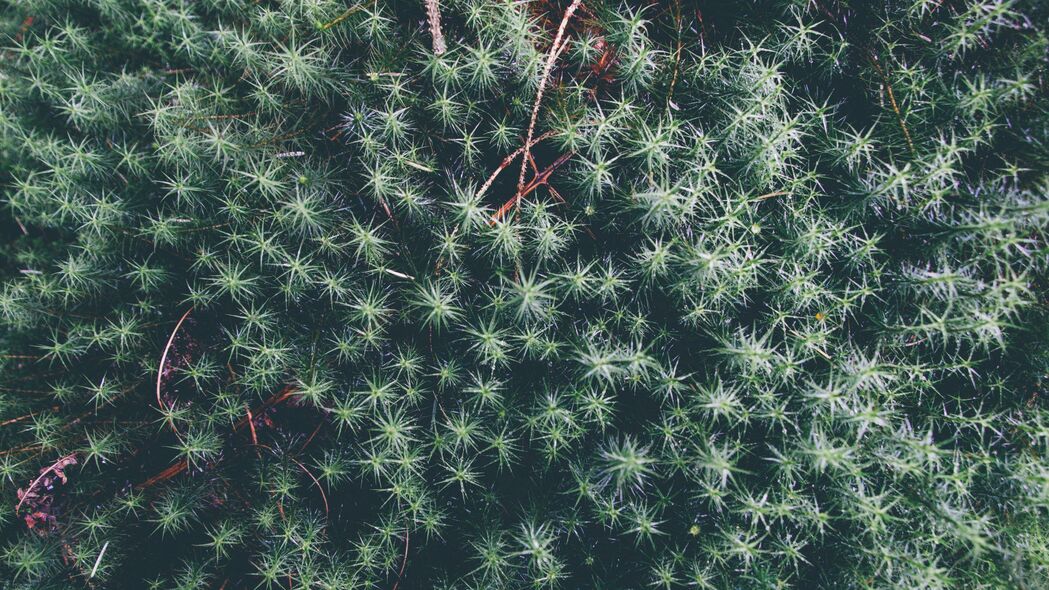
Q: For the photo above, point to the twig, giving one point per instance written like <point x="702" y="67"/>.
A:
<point x="509" y="160"/>
<point x="702" y="32"/>
<point x="320" y="488"/>
<point x="62" y="463"/>
<point x="272" y="401"/>
<point x="389" y="213"/>
<point x="345" y="15"/>
<point x="28" y="22"/>
<point x="25" y="416"/>
<point x="404" y="560"/>
<point x="555" y="49"/>
<point x="168" y="473"/>
<point x="433" y="14"/>
<point x="34" y="447"/>
<point x="163" y="361"/>
<point x="254" y="435"/>
<point x="495" y="174"/>
<point x="98" y="560"/>
<point x="309" y="439"/>
<point x="770" y="195"/>
<point x="182" y="465"/>
<point x="892" y="100"/>
<point x="677" y="54"/>
<point x="539" y="180"/>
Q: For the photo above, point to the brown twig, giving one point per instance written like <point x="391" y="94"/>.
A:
<point x="320" y="488"/>
<point x="275" y="399"/>
<point x="25" y="417"/>
<point x="182" y="465"/>
<point x="60" y="464"/>
<point x="555" y="50"/>
<point x="309" y="439"/>
<point x="28" y="22"/>
<point x="702" y="32"/>
<point x="389" y="213"/>
<point x="677" y="53"/>
<point x="539" y="180"/>
<point x="433" y="14"/>
<point x="404" y="560"/>
<point x="254" y="435"/>
<point x="168" y="473"/>
<point x="163" y="361"/>
<point x="495" y="174"/>
<point x="509" y="160"/>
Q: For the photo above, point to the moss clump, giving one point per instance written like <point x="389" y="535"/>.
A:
<point x="610" y="295"/>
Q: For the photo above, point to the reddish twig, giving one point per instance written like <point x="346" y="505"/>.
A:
<point x="320" y="488"/>
<point x="509" y="160"/>
<point x="168" y="473"/>
<point x="702" y="32"/>
<point x="183" y="464"/>
<point x="495" y="174"/>
<point x="539" y="180"/>
<point x="555" y="49"/>
<point x="254" y="435"/>
<point x="274" y="399"/>
<point x="389" y="213"/>
<point x="28" y="22"/>
<point x="309" y="439"/>
<point x="404" y="560"/>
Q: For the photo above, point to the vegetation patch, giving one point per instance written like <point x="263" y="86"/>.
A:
<point x="476" y="294"/>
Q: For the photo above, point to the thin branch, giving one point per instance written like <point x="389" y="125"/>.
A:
<point x="892" y="100"/>
<point x="509" y="160"/>
<point x="771" y="195"/>
<point x="163" y="362"/>
<point x="320" y="488"/>
<point x="62" y="463"/>
<point x="345" y="15"/>
<point x="539" y="180"/>
<point x="555" y="50"/>
<point x="26" y="416"/>
<point x="677" y="54"/>
<point x="404" y="560"/>
<point x="433" y="14"/>
<point x="254" y="435"/>
<point x="98" y="560"/>
<point x="183" y="464"/>
<point x="168" y="473"/>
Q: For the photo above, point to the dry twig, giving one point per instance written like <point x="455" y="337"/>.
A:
<point x="163" y="362"/>
<point x="555" y="50"/>
<point x="433" y="14"/>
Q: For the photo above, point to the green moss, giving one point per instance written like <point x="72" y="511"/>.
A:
<point x="766" y="308"/>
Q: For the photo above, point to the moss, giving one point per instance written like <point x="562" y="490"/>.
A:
<point x="605" y="295"/>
